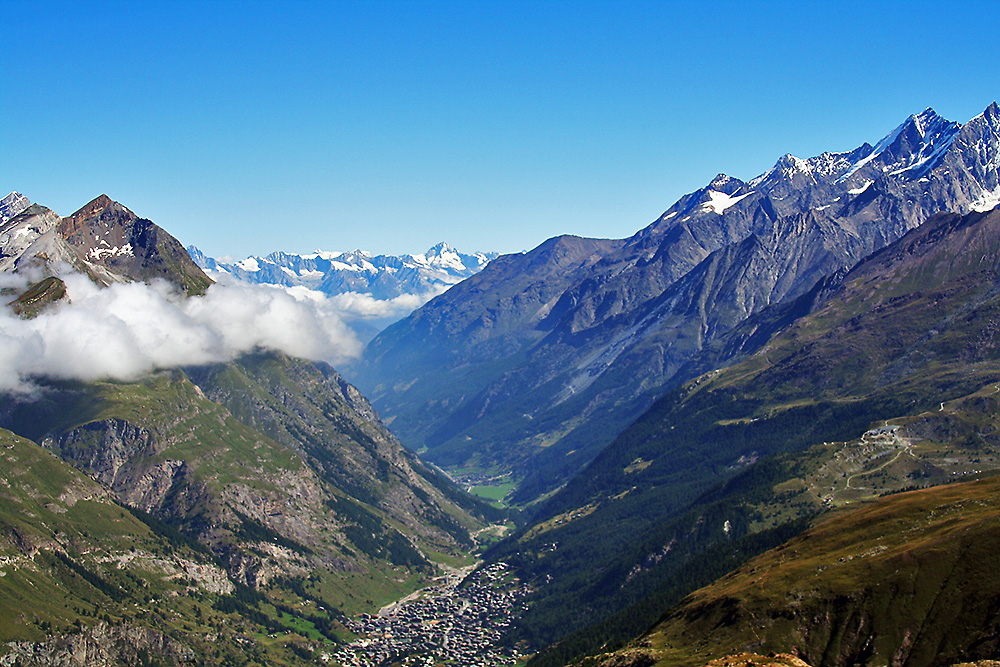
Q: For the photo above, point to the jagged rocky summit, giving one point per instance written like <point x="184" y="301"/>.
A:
<point x="103" y="240"/>
<point x="11" y="205"/>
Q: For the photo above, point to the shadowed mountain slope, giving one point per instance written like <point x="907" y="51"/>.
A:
<point x="890" y="382"/>
<point x="910" y="581"/>
<point x="539" y="361"/>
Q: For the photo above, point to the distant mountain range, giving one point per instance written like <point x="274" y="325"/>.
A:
<point x="381" y="276"/>
<point x="533" y="365"/>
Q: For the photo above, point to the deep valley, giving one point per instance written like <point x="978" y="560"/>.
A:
<point x="763" y="430"/>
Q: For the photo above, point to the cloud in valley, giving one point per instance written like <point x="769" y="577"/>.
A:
<point x="123" y="332"/>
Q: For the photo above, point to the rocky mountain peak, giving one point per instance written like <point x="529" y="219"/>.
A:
<point x="97" y="207"/>
<point x="12" y="205"/>
<point x="726" y="184"/>
<point x="439" y="249"/>
<point x="913" y="148"/>
<point x="100" y="208"/>
<point x="104" y="240"/>
<point x="992" y="112"/>
<point x="102" y="222"/>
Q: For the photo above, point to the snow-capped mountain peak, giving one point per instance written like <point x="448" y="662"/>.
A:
<point x="12" y="205"/>
<point x="959" y="164"/>
<point x="357" y="271"/>
<point x="912" y="148"/>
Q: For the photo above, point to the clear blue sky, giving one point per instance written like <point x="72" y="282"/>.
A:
<point x="248" y="127"/>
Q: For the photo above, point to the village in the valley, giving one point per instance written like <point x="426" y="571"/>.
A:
<point x="458" y="622"/>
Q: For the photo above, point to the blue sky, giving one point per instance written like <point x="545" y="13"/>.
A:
<point x="248" y="127"/>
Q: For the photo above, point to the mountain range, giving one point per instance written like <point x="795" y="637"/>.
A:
<point x="886" y="381"/>
<point x="381" y="276"/>
<point x="532" y="366"/>
<point x="761" y="431"/>
<point x="594" y="373"/>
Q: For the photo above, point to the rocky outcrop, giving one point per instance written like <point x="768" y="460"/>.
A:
<point x="99" y="645"/>
<point x="126" y="458"/>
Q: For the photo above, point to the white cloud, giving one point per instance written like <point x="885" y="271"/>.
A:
<point x="353" y="306"/>
<point x="123" y="332"/>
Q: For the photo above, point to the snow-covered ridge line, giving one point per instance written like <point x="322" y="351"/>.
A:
<point x="357" y="271"/>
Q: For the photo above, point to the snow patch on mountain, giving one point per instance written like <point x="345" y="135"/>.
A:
<point x="720" y="201"/>
<point x="987" y="201"/>
<point x="861" y="188"/>
<point x="248" y="264"/>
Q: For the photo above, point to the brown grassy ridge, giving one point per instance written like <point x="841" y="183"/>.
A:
<point x="911" y="580"/>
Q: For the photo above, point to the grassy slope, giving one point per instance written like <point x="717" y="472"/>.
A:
<point x="73" y="563"/>
<point x="910" y="580"/>
<point x="229" y="461"/>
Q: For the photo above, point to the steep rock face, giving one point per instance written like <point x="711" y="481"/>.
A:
<point x="100" y="645"/>
<point x="561" y="377"/>
<point x="110" y="451"/>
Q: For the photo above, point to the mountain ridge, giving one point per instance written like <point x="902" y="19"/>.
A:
<point x="381" y="276"/>
<point x="553" y="391"/>
<point x="886" y="380"/>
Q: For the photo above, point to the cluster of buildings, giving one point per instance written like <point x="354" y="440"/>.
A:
<point x="458" y="622"/>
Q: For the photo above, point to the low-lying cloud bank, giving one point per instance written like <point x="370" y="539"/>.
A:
<point x="123" y="332"/>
